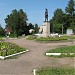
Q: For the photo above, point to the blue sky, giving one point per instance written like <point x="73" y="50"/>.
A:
<point x="34" y="8"/>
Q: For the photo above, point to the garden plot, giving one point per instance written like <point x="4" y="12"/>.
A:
<point x="8" y="49"/>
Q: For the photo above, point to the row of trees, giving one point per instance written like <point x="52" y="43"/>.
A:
<point x="65" y="19"/>
<point x="17" y="21"/>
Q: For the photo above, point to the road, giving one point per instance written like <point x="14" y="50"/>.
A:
<point x="34" y="59"/>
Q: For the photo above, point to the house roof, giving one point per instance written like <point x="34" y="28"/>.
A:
<point x="8" y="29"/>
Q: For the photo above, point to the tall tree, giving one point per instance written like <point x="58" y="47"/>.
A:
<point x="57" y="21"/>
<point x="17" y="21"/>
<point x="57" y="28"/>
<point x="36" y="28"/>
<point x="67" y="20"/>
<point x="30" y="26"/>
<point x="58" y="15"/>
<point x="70" y="10"/>
<point x="71" y="7"/>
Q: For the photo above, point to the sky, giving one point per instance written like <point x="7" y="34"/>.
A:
<point x="34" y="9"/>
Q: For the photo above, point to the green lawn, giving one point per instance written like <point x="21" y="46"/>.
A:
<point x="67" y="49"/>
<point x="63" y="50"/>
<point x="56" y="71"/>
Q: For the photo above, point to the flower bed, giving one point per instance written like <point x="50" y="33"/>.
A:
<point x="50" y="39"/>
<point x="46" y="39"/>
<point x="7" y="49"/>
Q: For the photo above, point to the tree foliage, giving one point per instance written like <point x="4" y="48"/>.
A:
<point x="58" y="15"/>
<point x="67" y="18"/>
<point x="30" y="26"/>
<point x="70" y="7"/>
<point x="17" y="21"/>
<point x="1" y="31"/>
<point x="57" y="21"/>
<point x="36" y="28"/>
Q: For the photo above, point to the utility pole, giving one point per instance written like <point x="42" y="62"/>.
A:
<point x="62" y="29"/>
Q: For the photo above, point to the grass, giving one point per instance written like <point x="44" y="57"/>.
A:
<point x="47" y="39"/>
<point x="67" y="49"/>
<point x="7" y="48"/>
<point x="70" y="37"/>
<point x="31" y="37"/>
<point x="56" y="71"/>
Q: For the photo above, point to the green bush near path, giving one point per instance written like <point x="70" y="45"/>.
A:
<point x="56" y="71"/>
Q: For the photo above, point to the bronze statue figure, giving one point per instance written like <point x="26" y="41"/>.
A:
<point x="46" y="15"/>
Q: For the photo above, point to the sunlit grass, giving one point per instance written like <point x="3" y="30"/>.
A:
<point x="67" y="49"/>
<point x="56" y="71"/>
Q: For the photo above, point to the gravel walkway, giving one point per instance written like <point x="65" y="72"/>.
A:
<point x="33" y="59"/>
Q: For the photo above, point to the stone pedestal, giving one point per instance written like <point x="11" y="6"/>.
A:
<point x="46" y="29"/>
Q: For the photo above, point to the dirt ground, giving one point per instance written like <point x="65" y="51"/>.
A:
<point x="34" y="59"/>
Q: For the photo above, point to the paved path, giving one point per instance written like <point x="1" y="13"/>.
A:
<point x="34" y="59"/>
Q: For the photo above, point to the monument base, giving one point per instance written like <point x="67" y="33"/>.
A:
<point x="46" y="29"/>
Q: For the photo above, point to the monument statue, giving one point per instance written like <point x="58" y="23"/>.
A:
<point x="45" y="28"/>
<point x="46" y="15"/>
